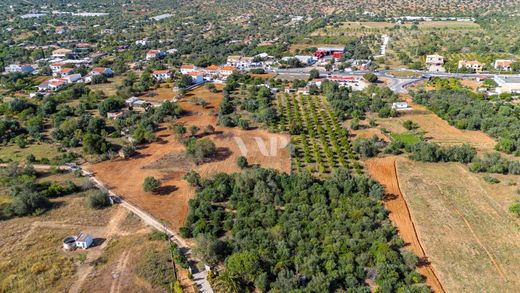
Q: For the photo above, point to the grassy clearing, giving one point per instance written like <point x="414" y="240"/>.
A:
<point x="109" y="88"/>
<point x="406" y="138"/>
<point x="463" y="222"/>
<point x="40" y="151"/>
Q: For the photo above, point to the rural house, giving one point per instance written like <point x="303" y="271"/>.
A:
<point x="188" y="68"/>
<point x="474" y="65"/>
<point x="161" y="75"/>
<point x="501" y="64"/>
<point x="153" y="54"/>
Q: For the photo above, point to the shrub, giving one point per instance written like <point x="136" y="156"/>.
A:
<point x="98" y="200"/>
<point x="515" y="208"/>
<point x="151" y="184"/>
<point x="242" y="162"/>
<point x="27" y="203"/>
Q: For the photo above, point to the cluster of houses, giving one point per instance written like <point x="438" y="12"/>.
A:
<point x="63" y="76"/>
<point x="476" y="66"/>
<point x="435" y="63"/>
<point x="356" y="83"/>
<point x="198" y="75"/>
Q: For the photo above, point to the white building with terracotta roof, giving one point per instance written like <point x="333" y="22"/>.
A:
<point x="502" y="64"/>
<point x="197" y="77"/>
<point x="473" y="65"/>
<point x="161" y="75"/>
<point x="188" y="68"/>
<point x="64" y="72"/>
<point x="153" y="54"/>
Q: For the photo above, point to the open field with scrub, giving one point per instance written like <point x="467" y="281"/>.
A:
<point x="166" y="160"/>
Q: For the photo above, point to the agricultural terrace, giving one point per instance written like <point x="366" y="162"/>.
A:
<point x="320" y="143"/>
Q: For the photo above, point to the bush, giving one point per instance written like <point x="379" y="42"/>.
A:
<point x="370" y="77"/>
<point x="515" y="208"/>
<point x="151" y="184"/>
<point x="98" y="200"/>
<point x="242" y="162"/>
<point x="27" y="203"/>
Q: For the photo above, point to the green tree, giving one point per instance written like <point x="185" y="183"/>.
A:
<point x="242" y="162"/>
<point x="370" y="77"/>
<point x="151" y="184"/>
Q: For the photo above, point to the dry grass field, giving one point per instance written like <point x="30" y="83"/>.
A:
<point x="165" y="160"/>
<point x="32" y="258"/>
<point x="384" y="171"/>
<point x="436" y="129"/>
<point x="109" y="88"/>
<point x="463" y="222"/>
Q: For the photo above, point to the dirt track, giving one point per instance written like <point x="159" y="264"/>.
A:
<point x="384" y="171"/>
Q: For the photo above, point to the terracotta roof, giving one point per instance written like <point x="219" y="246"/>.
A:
<point x="188" y="66"/>
<point x="57" y="83"/>
<point x="66" y="70"/>
<point x="195" y="73"/>
<point x="161" y="71"/>
<point x="213" y="67"/>
<point x="153" y="52"/>
<point x="228" y="68"/>
<point x="99" y="69"/>
<point x="504" y="62"/>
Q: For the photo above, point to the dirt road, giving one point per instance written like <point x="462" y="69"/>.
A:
<point x="384" y="171"/>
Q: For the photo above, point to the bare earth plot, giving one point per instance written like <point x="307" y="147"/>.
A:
<point x="470" y="238"/>
<point x="164" y="159"/>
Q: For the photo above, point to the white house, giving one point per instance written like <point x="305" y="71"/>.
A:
<point x="152" y="54"/>
<point x="141" y="42"/>
<point x="226" y="71"/>
<point x="55" y="67"/>
<point x="471" y="65"/>
<point x="56" y="84"/>
<point x="503" y="64"/>
<point x="19" y="68"/>
<point x="197" y="77"/>
<point x="101" y="70"/>
<point x="63" y="72"/>
<point x="434" y="59"/>
<point x="240" y="62"/>
<point x="71" y="78"/>
<point x="212" y="70"/>
<point x="84" y="240"/>
<point x="161" y="75"/>
<point x="61" y="53"/>
<point x="188" y="68"/>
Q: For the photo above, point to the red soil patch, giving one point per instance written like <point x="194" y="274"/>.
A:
<point x="383" y="170"/>
<point x="125" y="177"/>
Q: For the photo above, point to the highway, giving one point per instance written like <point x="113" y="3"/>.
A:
<point x="397" y="84"/>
